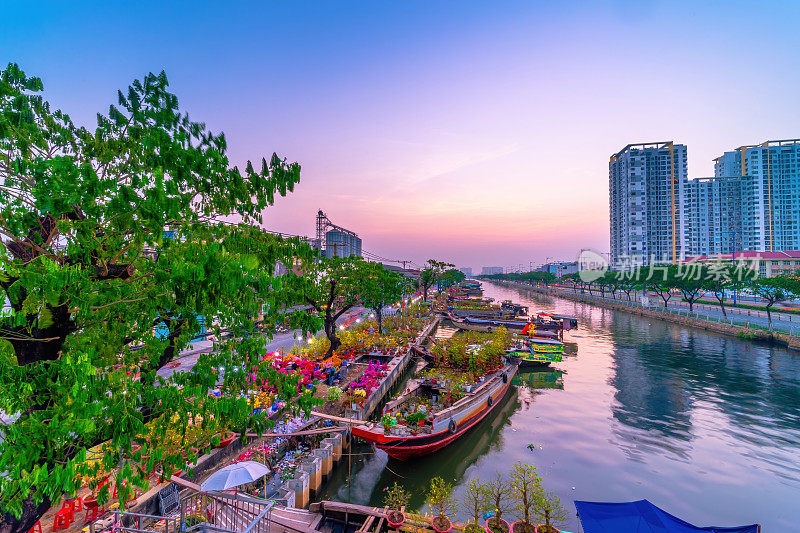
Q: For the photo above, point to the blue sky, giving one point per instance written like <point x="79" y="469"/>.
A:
<point x="470" y="131"/>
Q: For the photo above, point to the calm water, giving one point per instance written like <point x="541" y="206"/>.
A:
<point x="705" y="426"/>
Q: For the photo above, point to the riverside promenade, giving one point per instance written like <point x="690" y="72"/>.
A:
<point x="741" y="322"/>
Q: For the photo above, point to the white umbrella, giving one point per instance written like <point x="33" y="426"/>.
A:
<point x="234" y="475"/>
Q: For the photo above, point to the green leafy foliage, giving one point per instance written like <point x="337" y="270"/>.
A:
<point x="332" y="287"/>
<point x="112" y="260"/>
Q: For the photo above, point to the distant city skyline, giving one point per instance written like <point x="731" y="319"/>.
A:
<point x="472" y="133"/>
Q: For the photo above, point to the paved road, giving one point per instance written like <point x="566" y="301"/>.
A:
<point x="188" y="358"/>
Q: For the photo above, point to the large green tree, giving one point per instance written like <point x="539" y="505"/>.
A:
<point x="450" y="277"/>
<point x="381" y="287"/>
<point x="108" y="234"/>
<point x="331" y="287"/>
<point x="431" y="274"/>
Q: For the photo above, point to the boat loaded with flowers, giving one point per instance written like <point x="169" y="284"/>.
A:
<point x="424" y="432"/>
<point x="471" y="373"/>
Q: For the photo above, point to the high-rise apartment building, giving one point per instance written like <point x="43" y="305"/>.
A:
<point x="770" y="175"/>
<point x="713" y="215"/>
<point x="751" y="204"/>
<point x="645" y="184"/>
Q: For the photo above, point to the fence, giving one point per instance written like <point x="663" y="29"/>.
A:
<point x="776" y="316"/>
<point x="216" y="511"/>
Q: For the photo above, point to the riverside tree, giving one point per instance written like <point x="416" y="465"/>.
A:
<point x="381" y="287"/>
<point x="662" y="280"/>
<point x="107" y="235"/>
<point x="430" y="275"/>
<point x="332" y="286"/>
<point x="450" y="277"/>
<point x="774" y="290"/>
<point x="692" y="280"/>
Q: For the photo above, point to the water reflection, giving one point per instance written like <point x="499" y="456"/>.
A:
<point x="705" y="425"/>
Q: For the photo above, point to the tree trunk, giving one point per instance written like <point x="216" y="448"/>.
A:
<point x="330" y="332"/>
<point x="30" y="515"/>
<point x="769" y="316"/>
<point x="379" y="313"/>
<point x="721" y="301"/>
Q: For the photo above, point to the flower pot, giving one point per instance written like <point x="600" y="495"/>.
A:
<point x="502" y="527"/>
<point x="521" y="526"/>
<point x="396" y="518"/>
<point x="441" y="524"/>
<point x="542" y="528"/>
<point x="473" y="528"/>
<point x="226" y="439"/>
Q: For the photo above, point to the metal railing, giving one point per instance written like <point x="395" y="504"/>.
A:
<point x="223" y="512"/>
<point x="133" y="522"/>
<point x="776" y="316"/>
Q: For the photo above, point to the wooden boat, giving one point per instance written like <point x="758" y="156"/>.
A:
<point x="514" y="309"/>
<point x="486" y="324"/>
<point x="445" y="426"/>
<point x="537" y="352"/>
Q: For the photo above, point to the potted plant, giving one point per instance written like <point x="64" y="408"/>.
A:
<point x="548" y="508"/>
<point x="526" y="485"/>
<point x="441" y="498"/>
<point x="395" y="502"/>
<point x="473" y="505"/>
<point x="386" y="422"/>
<point x="226" y="437"/>
<point x="498" y="493"/>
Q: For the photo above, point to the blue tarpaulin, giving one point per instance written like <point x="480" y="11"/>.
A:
<point x="641" y="517"/>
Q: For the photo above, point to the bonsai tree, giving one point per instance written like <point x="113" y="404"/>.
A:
<point x="440" y="495"/>
<point x="473" y="504"/>
<point x="499" y="494"/>
<point x="526" y="484"/>
<point x="395" y="500"/>
<point x="548" y="508"/>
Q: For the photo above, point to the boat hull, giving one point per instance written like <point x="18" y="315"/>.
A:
<point x="404" y="448"/>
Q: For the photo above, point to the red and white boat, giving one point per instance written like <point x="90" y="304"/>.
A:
<point x="443" y="427"/>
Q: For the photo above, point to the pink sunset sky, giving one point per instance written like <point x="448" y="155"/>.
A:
<point x="477" y="133"/>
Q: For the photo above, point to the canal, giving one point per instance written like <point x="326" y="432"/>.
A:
<point x="704" y="425"/>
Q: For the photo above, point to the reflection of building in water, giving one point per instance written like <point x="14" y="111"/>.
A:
<point x="659" y="383"/>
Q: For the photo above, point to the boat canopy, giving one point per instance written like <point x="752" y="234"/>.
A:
<point x="641" y="517"/>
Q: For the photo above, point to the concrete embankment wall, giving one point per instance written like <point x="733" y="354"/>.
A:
<point x="790" y="341"/>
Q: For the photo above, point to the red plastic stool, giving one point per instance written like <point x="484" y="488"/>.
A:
<point x="62" y="520"/>
<point x="37" y="528"/>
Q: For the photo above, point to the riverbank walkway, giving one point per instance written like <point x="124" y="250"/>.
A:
<point x="786" y="323"/>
